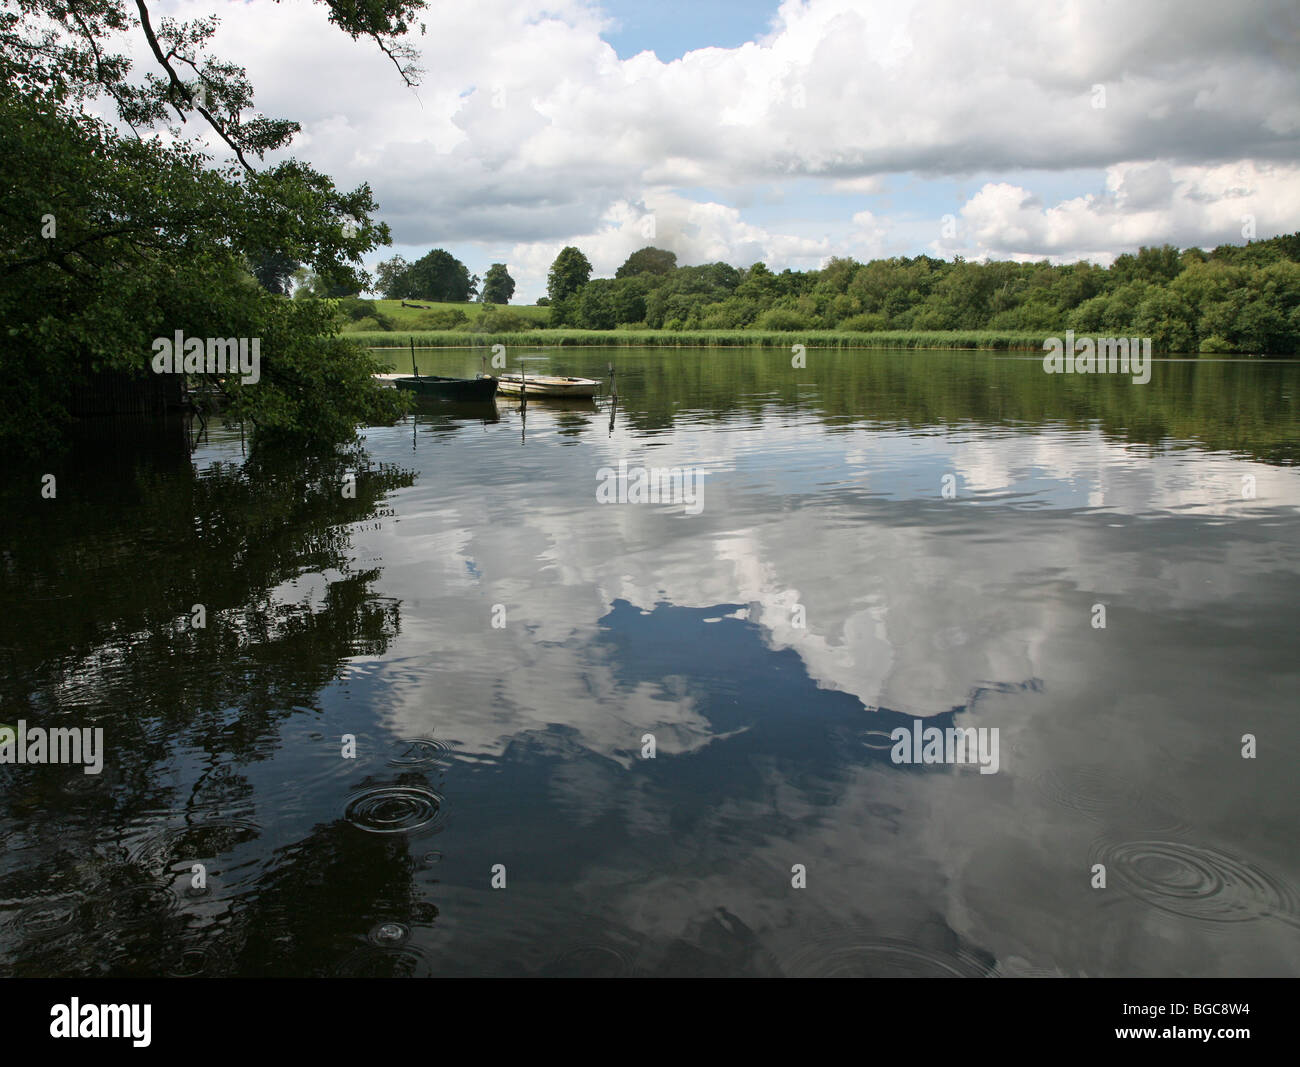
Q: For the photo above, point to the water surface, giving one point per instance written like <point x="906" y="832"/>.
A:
<point x="499" y="644"/>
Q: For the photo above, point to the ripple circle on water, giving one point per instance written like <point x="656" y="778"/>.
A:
<point x="393" y="809"/>
<point x="1198" y="882"/>
<point x="420" y="752"/>
<point x="389" y="934"/>
<point x="49" y="918"/>
<point x="880" y="958"/>
<point x="199" y="841"/>
<point x="404" y="962"/>
<point x="1102" y="797"/>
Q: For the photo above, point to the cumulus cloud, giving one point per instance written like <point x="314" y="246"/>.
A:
<point x="1143" y="203"/>
<point x="529" y="132"/>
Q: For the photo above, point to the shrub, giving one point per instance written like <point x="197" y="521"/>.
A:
<point x="364" y="314"/>
<point x="781" y="319"/>
<point x="442" y="319"/>
<point x="498" y="320"/>
<point x="867" y="322"/>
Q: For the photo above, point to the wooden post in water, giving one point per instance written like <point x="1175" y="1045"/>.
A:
<point x="416" y="372"/>
<point x="523" y="408"/>
<point x="613" y="383"/>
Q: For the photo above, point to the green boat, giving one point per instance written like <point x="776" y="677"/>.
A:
<point x="448" y="388"/>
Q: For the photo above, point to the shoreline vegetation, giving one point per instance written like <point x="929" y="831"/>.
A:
<point x="993" y="340"/>
<point x="892" y="340"/>
<point x="1232" y="300"/>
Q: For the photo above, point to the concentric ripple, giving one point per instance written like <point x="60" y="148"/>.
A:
<point x="1104" y="798"/>
<point x="139" y="905"/>
<point x="878" y="740"/>
<point x="393" y="809"/>
<point x="371" y="962"/>
<point x="389" y="934"/>
<point x="49" y="918"/>
<point x="198" y="841"/>
<point x="420" y="752"/>
<point x="1198" y="882"/>
<point x="591" y="961"/>
<point x="198" y="961"/>
<point x="880" y="958"/>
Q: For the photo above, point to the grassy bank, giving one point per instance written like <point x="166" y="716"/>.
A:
<point x="993" y="340"/>
<point x="432" y="316"/>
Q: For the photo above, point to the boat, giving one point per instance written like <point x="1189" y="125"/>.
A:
<point x="547" y="386"/>
<point x="432" y="385"/>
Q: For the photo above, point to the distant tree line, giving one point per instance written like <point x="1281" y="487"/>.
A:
<point x="1235" y="298"/>
<point x="440" y="277"/>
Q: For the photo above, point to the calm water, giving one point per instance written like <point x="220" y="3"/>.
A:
<point x="499" y="644"/>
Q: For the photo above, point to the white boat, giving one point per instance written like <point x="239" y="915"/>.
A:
<point x="547" y="385"/>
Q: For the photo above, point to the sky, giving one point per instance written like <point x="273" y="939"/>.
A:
<point x="793" y="132"/>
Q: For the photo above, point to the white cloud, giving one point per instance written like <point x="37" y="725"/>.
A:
<point x="529" y="132"/>
<point x="1143" y="204"/>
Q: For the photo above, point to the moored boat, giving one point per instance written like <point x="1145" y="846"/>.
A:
<point x="447" y="388"/>
<point x="547" y="386"/>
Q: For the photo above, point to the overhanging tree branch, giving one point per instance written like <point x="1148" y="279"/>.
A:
<point x="179" y="86"/>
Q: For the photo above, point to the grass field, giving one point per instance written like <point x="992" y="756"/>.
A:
<point x="408" y="319"/>
<point x="993" y="340"/>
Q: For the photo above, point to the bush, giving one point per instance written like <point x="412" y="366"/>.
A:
<point x="364" y="314"/>
<point x="1215" y="345"/>
<point x="781" y="319"/>
<point x="498" y="320"/>
<point x="867" y="322"/>
<point x="442" y="319"/>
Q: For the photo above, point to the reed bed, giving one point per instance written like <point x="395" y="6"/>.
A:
<point x="992" y="340"/>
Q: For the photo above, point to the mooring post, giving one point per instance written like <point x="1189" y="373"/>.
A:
<point x="613" y="383"/>
<point x="417" y="373"/>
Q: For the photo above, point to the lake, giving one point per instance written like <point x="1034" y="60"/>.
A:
<point x="440" y="707"/>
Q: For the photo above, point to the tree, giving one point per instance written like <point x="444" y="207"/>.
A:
<point x="498" y="286"/>
<point x="273" y="270"/>
<point x="390" y="279"/>
<point x="569" y="273"/>
<point x="596" y="309"/>
<point x="438" y="275"/>
<point x="115" y="238"/>
<point x="648" y="260"/>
